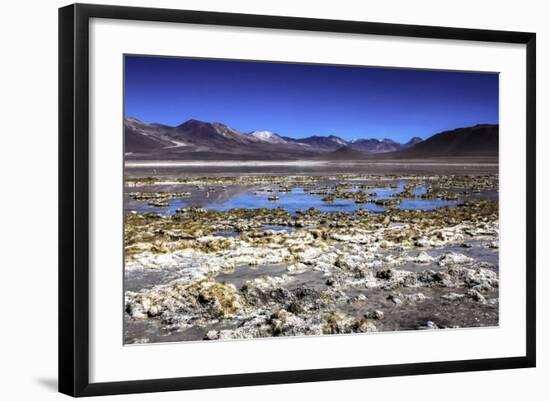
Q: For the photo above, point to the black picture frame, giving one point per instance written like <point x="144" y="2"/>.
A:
<point x="74" y="202"/>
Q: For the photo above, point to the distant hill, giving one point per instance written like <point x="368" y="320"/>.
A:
<point x="479" y="140"/>
<point x="376" y="145"/>
<point x="326" y="143"/>
<point x="413" y="141"/>
<point x="344" y="153"/>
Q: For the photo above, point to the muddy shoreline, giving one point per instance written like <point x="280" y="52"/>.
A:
<point x="434" y="166"/>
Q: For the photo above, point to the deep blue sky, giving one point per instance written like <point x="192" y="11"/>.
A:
<point x="299" y="100"/>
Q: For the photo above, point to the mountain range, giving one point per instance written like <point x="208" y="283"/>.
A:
<point x="200" y="140"/>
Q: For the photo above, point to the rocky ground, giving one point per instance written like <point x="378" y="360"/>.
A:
<point x="199" y="274"/>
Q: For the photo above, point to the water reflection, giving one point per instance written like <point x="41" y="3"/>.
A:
<point x="293" y="201"/>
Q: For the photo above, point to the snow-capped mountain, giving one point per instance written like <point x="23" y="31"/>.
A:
<point x="268" y="136"/>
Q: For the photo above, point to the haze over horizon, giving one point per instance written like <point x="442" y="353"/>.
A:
<point x="300" y="100"/>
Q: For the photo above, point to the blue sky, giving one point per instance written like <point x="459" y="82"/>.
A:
<point x="300" y="100"/>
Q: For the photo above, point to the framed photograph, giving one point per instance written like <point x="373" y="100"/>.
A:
<point x="250" y="199"/>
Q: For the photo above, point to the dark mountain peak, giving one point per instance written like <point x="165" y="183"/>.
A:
<point x="479" y="129"/>
<point x="193" y="123"/>
<point x="366" y="140"/>
<point x="478" y="140"/>
<point x="481" y="125"/>
<point x="199" y="125"/>
<point x="413" y="141"/>
<point x="344" y="153"/>
<point x="373" y="145"/>
<point x="214" y="135"/>
<point x="331" y="142"/>
<point x="472" y="128"/>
